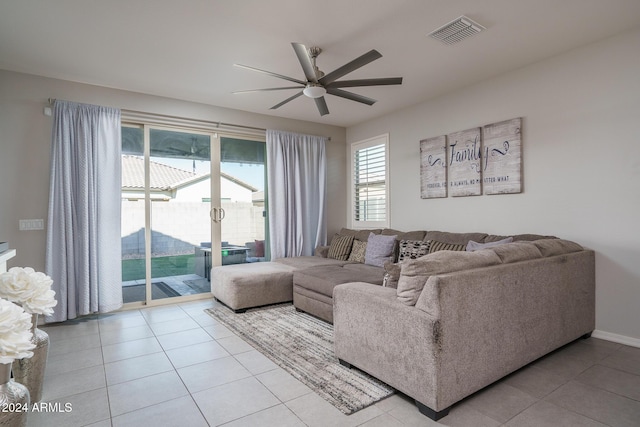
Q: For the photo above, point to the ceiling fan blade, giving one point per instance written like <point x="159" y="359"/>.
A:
<point x="305" y="61"/>
<point x="291" y="98"/>
<point x="350" y="95"/>
<point x="361" y="61"/>
<point x="266" y="89"/>
<point x="269" y="73"/>
<point x="367" y="82"/>
<point x="322" y="106"/>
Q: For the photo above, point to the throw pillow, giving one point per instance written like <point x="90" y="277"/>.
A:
<point x="476" y="246"/>
<point x="391" y="274"/>
<point x="412" y="249"/>
<point x="340" y="247"/>
<point x="379" y="249"/>
<point x="436" y="246"/>
<point x="358" y="250"/>
<point x="259" y="248"/>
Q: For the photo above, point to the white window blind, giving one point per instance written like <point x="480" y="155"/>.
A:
<point x="369" y="202"/>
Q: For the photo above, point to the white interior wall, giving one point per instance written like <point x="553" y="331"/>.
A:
<point x="581" y="162"/>
<point x="25" y="140"/>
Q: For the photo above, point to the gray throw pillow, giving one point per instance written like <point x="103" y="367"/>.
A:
<point x="379" y="249"/>
<point x="476" y="246"/>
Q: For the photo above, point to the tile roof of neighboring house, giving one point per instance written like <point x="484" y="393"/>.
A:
<point x="163" y="177"/>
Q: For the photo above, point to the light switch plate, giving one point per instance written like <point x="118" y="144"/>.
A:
<point x="31" y="224"/>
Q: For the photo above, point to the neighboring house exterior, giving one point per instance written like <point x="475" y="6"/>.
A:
<point x="173" y="184"/>
<point x="180" y="210"/>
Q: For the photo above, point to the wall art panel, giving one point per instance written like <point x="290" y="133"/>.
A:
<point x="465" y="162"/>
<point x="502" y="157"/>
<point x="433" y="167"/>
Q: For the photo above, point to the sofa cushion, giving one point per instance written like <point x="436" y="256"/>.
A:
<point x="340" y="247"/>
<point x="517" y="237"/>
<point x="457" y="238"/>
<point x="379" y="249"/>
<point x="323" y="279"/>
<point x="412" y="249"/>
<point x="321" y="251"/>
<point x="358" y="251"/>
<point x="436" y="246"/>
<point x="416" y="272"/>
<point x="301" y="262"/>
<point x="365" y="270"/>
<point x="362" y="235"/>
<point x="517" y="251"/>
<point x="404" y="235"/>
<point x="551" y="247"/>
<point x="476" y="246"/>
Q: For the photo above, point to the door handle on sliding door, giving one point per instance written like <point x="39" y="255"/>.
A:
<point x="217" y="214"/>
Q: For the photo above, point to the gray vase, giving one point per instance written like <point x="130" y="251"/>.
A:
<point x="14" y="399"/>
<point x="30" y="372"/>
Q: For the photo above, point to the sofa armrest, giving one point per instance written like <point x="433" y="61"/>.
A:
<point x="395" y="343"/>
<point x="497" y="319"/>
<point x="322" y="251"/>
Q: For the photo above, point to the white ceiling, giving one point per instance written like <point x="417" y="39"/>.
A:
<point x="186" y="49"/>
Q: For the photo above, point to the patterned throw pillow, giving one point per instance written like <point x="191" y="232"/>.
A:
<point x="436" y="246"/>
<point x="379" y="249"/>
<point x="412" y="249"/>
<point x="340" y="247"/>
<point x="391" y="274"/>
<point x="358" y="250"/>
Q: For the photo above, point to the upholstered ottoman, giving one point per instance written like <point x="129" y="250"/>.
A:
<point x="313" y="287"/>
<point x="242" y="286"/>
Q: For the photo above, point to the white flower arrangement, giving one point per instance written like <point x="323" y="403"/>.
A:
<point x="30" y="289"/>
<point x="15" y="332"/>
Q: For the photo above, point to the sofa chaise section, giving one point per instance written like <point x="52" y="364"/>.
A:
<point x="244" y="286"/>
<point x="313" y="287"/>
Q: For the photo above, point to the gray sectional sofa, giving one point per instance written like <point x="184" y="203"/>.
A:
<point x="457" y="320"/>
<point x="460" y="321"/>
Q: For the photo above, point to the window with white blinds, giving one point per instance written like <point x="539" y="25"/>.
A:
<point x="369" y="178"/>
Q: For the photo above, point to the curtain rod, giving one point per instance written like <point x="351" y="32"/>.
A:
<point x="209" y="122"/>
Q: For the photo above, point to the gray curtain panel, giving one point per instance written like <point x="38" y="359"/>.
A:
<point x="296" y="178"/>
<point x="83" y="234"/>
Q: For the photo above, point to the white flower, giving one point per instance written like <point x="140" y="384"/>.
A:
<point x="28" y="288"/>
<point x="15" y="332"/>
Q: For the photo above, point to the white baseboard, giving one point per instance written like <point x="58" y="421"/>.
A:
<point x="620" y="339"/>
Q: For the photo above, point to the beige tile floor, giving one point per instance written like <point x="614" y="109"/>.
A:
<point x="176" y="366"/>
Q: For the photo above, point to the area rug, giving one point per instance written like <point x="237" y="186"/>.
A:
<point x="159" y="290"/>
<point x="303" y="346"/>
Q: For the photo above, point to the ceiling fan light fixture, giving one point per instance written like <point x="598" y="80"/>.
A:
<point x="313" y="90"/>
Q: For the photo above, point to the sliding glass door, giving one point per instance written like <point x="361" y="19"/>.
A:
<point x="190" y="200"/>
<point x="168" y="183"/>
<point x="242" y="199"/>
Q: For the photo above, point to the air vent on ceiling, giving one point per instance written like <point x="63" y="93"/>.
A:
<point x="456" y="30"/>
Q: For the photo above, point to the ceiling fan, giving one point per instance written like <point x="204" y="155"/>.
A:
<point x="317" y="83"/>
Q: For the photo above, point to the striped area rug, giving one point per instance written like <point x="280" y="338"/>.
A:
<point x="303" y="346"/>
